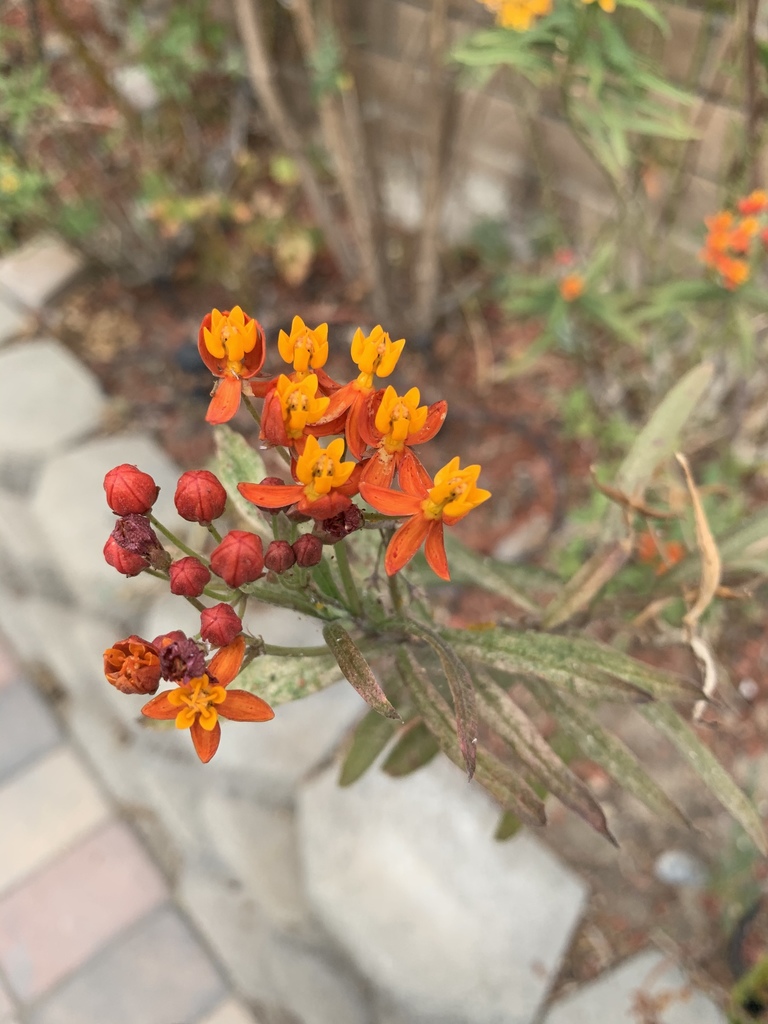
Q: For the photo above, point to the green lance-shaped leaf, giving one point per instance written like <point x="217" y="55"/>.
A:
<point x="356" y="669"/>
<point x="462" y="691"/>
<point x="415" y="747"/>
<point x="709" y="769"/>
<point x="372" y="734"/>
<point x="582" y="667"/>
<point x="481" y="571"/>
<point x="512" y="792"/>
<point x="282" y="679"/>
<point x="509" y="825"/>
<point x="237" y="462"/>
<point x="502" y="714"/>
<point x="608" y="751"/>
<point x="514" y="652"/>
<point x="660" y="437"/>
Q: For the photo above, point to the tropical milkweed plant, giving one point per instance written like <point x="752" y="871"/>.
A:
<point x="356" y="533"/>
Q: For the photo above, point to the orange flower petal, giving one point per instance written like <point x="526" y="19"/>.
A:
<point x="160" y="708"/>
<point x="414" y="479"/>
<point x="206" y="741"/>
<point x="326" y="506"/>
<point x="225" y="401"/>
<point x="434" y="550"/>
<point x="241" y="706"/>
<point x="405" y="543"/>
<point x="272" y="423"/>
<point x="357" y="410"/>
<point x="227" y="661"/>
<point x="379" y="471"/>
<point x="271" y="496"/>
<point x="435" y="419"/>
<point x="391" y="503"/>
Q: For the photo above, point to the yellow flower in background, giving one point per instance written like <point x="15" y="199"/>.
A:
<point x="518" y="14"/>
<point x="609" y="6"/>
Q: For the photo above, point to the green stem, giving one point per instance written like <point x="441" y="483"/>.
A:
<point x="196" y="604"/>
<point x="295" y="652"/>
<point x="252" y="409"/>
<point x="396" y="595"/>
<point x="214" y="532"/>
<point x="350" y="589"/>
<point x="175" y="540"/>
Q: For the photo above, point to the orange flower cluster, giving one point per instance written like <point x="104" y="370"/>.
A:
<point x="378" y="427"/>
<point x="662" y="556"/>
<point x="731" y="239"/>
<point x="517" y="14"/>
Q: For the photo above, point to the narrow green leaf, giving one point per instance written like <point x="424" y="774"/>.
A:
<point x="523" y="653"/>
<point x="509" y="825"/>
<point x="356" y="669"/>
<point x="512" y="792"/>
<point x="502" y="714"/>
<point x="415" y="747"/>
<point x="372" y="734"/>
<point x="608" y="751"/>
<point x="237" y="462"/>
<point x="709" y="769"/>
<point x="660" y="437"/>
<point x="280" y="680"/>
<point x="462" y="691"/>
<point x="495" y="577"/>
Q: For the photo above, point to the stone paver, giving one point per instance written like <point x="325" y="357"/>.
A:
<point x="13" y="319"/>
<point x="27" y="728"/>
<point x="62" y="915"/>
<point x="156" y="973"/>
<point x="45" y="810"/>
<point x="6" y="1007"/>
<point x="71" y="486"/>
<point x="39" y="269"/>
<point x="229" y="1013"/>
<point x="34" y="423"/>
<point x="26" y="562"/>
<point x="647" y="987"/>
<point x="448" y="923"/>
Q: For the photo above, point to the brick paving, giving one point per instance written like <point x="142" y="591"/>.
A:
<point x="89" y="933"/>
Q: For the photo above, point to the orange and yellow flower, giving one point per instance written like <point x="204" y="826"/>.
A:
<point x="518" y="14"/>
<point x="375" y="355"/>
<point x="231" y="344"/>
<point x="290" y="408"/>
<point x="453" y="494"/>
<point x="325" y="483"/>
<point x="392" y="424"/>
<point x="571" y="287"/>
<point x="197" y="703"/>
<point x="609" y="6"/>
<point x="730" y="241"/>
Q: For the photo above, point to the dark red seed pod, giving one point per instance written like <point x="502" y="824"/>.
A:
<point x="332" y="530"/>
<point x="129" y="491"/>
<point x="220" y="625"/>
<point x="126" y="562"/>
<point x="189" y="577"/>
<point x="239" y="558"/>
<point x="308" y="550"/>
<point x="279" y="556"/>
<point x="199" y="497"/>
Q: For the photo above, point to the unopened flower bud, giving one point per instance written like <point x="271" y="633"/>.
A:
<point x="132" y="666"/>
<point x="188" y="577"/>
<point x="124" y="561"/>
<point x="200" y="497"/>
<point x="332" y="530"/>
<point x="239" y="558"/>
<point x="308" y="550"/>
<point x="220" y="625"/>
<point x="133" y="533"/>
<point x="181" y="659"/>
<point x="129" y="491"/>
<point x="279" y="556"/>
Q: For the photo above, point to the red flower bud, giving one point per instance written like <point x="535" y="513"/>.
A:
<point x="132" y="666"/>
<point x="220" y="625"/>
<point x="308" y="550"/>
<point x="129" y="490"/>
<point x="279" y="556"/>
<point x="126" y="562"/>
<point x="189" y="577"/>
<point x="199" y="498"/>
<point x="239" y="558"/>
